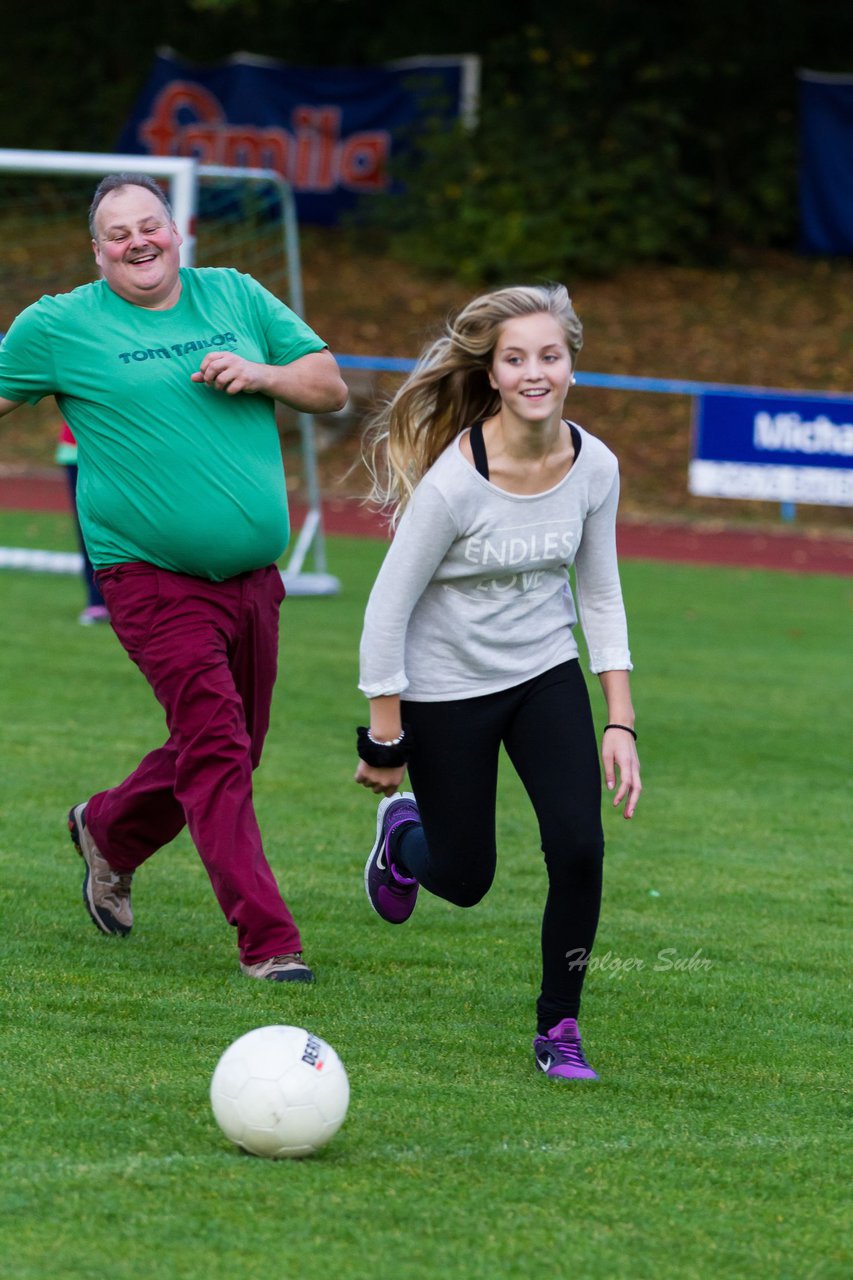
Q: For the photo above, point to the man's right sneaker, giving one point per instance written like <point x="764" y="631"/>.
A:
<point x="106" y="892"/>
<point x="391" y="894"/>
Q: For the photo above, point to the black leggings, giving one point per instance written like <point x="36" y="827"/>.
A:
<point x="546" y="727"/>
<point x="93" y="591"/>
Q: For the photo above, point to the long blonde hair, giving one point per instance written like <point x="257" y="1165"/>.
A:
<point x="449" y="388"/>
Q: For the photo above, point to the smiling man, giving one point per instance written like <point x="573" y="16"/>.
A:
<point x="168" y="377"/>
<point x="137" y="246"/>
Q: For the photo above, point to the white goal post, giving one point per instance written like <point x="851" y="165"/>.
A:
<point x="187" y="181"/>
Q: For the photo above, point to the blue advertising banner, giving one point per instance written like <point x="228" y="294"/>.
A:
<point x="778" y="448"/>
<point x="330" y="132"/>
<point x="826" y="163"/>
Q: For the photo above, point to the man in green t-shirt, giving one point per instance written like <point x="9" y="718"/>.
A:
<point x="168" y="377"/>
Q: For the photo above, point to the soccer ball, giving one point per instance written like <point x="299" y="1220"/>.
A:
<point x="279" y="1091"/>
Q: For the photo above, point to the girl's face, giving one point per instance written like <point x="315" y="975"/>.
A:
<point x="532" y="367"/>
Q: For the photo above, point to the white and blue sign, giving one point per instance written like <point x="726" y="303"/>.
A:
<point x="330" y="132"/>
<point x="775" y="448"/>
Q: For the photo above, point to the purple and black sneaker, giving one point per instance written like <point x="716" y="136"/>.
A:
<point x="559" y="1053"/>
<point x="391" y="894"/>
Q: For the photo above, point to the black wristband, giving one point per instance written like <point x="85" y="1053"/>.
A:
<point x="626" y="727"/>
<point x="379" y="755"/>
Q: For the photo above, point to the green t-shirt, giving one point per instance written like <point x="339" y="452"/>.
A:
<point x="171" y="472"/>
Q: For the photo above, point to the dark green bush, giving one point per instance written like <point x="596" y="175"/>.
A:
<point x="588" y="161"/>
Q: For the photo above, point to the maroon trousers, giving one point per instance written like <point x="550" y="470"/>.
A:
<point x="209" y="650"/>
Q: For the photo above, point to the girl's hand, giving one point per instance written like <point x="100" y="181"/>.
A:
<point x="619" y="754"/>
<point x="384" y="782"/>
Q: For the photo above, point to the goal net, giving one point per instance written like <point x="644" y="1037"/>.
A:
<point x="242" y="218"/>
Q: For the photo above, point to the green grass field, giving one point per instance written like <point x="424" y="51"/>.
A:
<point x="716" y="1011"/>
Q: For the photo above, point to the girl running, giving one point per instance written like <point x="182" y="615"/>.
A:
<point x="468" y="640"/>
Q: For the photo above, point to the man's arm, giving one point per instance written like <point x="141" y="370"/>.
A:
<point x="311" y="383"/>
<point x="6" y="406"/>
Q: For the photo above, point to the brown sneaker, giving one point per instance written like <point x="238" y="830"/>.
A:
<point x="106" y="892"/>
<point x="291" y="968"/>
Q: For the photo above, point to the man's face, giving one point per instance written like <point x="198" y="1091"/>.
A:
<point x="137" y="248"/>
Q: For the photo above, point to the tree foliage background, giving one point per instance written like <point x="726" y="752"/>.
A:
<point x="616" y="132"/>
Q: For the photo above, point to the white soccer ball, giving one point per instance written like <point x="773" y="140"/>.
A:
<point x="279" y="1091"/>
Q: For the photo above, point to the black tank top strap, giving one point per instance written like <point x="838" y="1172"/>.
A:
<point x="478" y="446"/>
<point x="478" y="449"/>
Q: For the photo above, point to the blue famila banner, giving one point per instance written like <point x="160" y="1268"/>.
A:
<point x="777" y="448"/>
<point x="826" y="163"/>
<point x="330" y="132"/>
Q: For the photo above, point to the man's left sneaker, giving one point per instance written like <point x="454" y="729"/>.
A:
<point x="559" y="1054"/>
<point x="289" y="968"/>
<point x="391" y="894"/>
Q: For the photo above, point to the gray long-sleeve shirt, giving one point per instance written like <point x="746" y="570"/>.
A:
<point x="474" y="593"/>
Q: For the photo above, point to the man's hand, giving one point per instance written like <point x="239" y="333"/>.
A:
<point x="311" y="383"/>
<point x="228" y="372"/>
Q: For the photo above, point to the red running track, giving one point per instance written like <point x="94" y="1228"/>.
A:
<point x="677" y="543"/>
